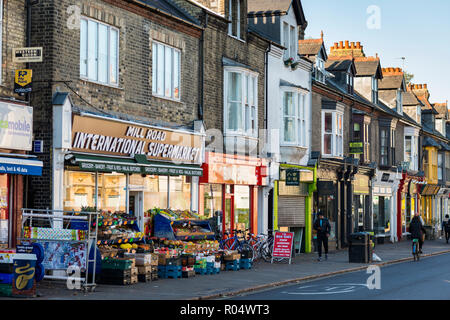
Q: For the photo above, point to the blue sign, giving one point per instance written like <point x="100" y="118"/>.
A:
<point x="25" y="170"/>
<point x="38" y="146"/>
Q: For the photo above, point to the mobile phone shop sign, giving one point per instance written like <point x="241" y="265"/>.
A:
<point x="16" y="127"/>
<point x="282" y="245"/>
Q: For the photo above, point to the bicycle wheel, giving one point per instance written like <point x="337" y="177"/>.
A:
<point x="266" y="251"/>
<point x="229" y="244"/>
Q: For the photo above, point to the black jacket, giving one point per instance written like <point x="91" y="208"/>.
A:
<point x="416" y="228"/>
<point x="322" y="229"/>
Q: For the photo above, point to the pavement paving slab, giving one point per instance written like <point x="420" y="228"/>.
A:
<point x="228" y="283"/>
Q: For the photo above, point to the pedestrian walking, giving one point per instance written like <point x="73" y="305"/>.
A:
<point x="446" y="227"/>
<point x="417" y="229"/>
<point x="323" y="228"/>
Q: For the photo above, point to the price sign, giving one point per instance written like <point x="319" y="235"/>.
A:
<point x="282" y="245"/>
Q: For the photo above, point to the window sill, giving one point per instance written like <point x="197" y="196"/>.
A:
<point x="166" y="98"/>
<point x="330" y="156"/>
<point x="236" y="38"/>
<point x="112" y="86"/>
<point x="290" y="145"/>
<point x="239" y="135"/>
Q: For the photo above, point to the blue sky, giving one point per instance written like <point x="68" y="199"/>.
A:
<point x="417" y="30"/>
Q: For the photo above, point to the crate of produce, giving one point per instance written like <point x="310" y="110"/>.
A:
<point x="5" y="290"/>
<point x="232" y="256"/>
<point x="201" y="271"/>
<point x="187" y="260"/>
<point x="147" y="259"/>
<point x="209" y="265"/>
<point x="134" y="271"/>
<point x="146" y="269"/>
<point x="6" y="278"/>
<point x="145" y="277"/>
<point x="134" y="279"/>
<point x="188" y="274"/>
<point x="162" y="259"/>
<point x="173" y="261"/>
<point x="154" y="276"/>
<point x="246" y="264"/>
<point x="120" y="264"/>
<point x="116" y="273"/>
<point x="233" y="265"/>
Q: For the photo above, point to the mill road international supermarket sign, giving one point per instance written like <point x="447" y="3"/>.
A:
<point x="16" y="126"/>
<point x="116" y="138"/>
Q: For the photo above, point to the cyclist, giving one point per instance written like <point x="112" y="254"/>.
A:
<point x="417" y="230"/>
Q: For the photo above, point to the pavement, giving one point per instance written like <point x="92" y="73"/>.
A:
<point x="227" y="284"/>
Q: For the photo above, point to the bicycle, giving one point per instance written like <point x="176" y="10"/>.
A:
<point x="415" y="249"/>
<point x="237" y="243"/>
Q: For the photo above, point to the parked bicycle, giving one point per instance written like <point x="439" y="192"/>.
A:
<point x="237" y="242"/>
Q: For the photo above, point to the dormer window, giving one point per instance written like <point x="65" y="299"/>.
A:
<point x="234" y="16"/>
<point x="399" y="102"/>
<point x="320" y="70"/>
<point x="374" y="90"/>
<point x="289" y="41"/>
<point x="349" y="81"/>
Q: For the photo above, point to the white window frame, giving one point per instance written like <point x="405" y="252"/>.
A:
<point x="86" y="76"/>
<point x="440" y="167"/>
<point x="289" y="36"/>
<point x="156" y="74"/>
<point x="320" y="70"/>
<point x="300" y="118"/>
<point x="337" y="136"/>
<point x="252" y="109"/>
<point x="238" y="19"/>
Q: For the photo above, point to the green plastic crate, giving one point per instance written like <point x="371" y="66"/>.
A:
<point x="116" y="264"/>
<point x="5" y="290"/>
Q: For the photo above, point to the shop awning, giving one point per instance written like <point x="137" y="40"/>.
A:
<point x="139" y="164"/>
<point x="21" y="166"/>
<point x="430" y="190"/>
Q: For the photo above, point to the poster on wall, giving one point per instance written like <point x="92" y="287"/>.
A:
<point x="16" y="126"/>
<point x="62" y="255"/>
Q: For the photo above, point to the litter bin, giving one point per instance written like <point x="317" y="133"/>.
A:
<point x="24" y="283"/>
<point x="359" y="250"/>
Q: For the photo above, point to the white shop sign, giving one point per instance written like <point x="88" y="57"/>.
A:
<point x="16" y="126"/>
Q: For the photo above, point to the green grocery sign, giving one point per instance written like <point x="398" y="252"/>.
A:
<point x="356" y="148"/>
<point x="127" y="168"/>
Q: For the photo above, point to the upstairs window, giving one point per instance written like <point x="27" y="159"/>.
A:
<point x="294" y="119"/>
<point x="289" y="41"/>
<point x="99" y="52"/>
<point x="320" y="70"/>
<point x="387" y="146"/>
<point x="165" y="71"/>
<point x="332" y="133"/>
<point x="440" y="166"/>
<point x="374" y="90"/>
<point x="361" y="134"/>
<point x="234" y="16"/>
<point x="411" y="152"/>
<point x="349" y="81"/>
<point x="241" y="102"/>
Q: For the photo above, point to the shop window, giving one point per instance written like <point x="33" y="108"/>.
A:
<point x="326" y="207"/>
<point x="210" y="199"/>
<point x="166" y="71"/>
<point x="155" y="192"/>
<point x="99" y="51"/>
<point x="4" y="210"/>
<point x="111" y="192"/>
<point x="180" y="193"/>
<point x="381" y="214"/>
<point x="241" y="207"/>
<point x="79" y="190"/>
<point x="241" y="102"/>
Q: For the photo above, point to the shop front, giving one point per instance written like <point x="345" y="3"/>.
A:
<point x="16" y="138"/>
<point x="293" y="204"/>
<point x="131" y="170"/>
<point x="384" y="198"/>
<point x="228" y="190"/>
<point x="428" y="208"/>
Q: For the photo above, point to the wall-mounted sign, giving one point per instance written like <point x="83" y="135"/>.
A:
<point x="109" y="137"/>
<point x="38" y="146"/>
<point x="25" y="55"/>
<point x="356" y="148"/>
<point x="16" y="126"/>
<point x="292" y="177"/>
<point x="23" y="81"/>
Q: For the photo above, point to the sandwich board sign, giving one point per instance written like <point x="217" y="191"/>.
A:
<point x="282" y="245"/>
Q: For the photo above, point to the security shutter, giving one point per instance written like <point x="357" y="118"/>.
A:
<point x="291" y="211"/>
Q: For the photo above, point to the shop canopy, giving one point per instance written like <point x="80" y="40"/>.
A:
<point x="21" y="166"/>
<point x="430" y="190"/>
<point x="139" y="164"/>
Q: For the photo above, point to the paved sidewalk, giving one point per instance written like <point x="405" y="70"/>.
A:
<point x="263" y="275"/>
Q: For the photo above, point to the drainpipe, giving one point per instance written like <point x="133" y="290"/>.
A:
<point x="28" y="5"/>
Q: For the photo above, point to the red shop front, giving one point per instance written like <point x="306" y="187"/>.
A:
<point x="229" y="189"/>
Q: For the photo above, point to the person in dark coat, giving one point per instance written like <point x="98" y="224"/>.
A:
<point x="446" y="227"/>
<point x="417" y="229"/>
<point x="323" y="228"/>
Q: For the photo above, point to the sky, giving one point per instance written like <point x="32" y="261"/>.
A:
<point x="417" y="30"/>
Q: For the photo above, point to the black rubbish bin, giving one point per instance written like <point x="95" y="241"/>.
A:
<point x="359" y="249"/>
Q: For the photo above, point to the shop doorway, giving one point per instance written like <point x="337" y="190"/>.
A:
<point x="136" y="207"/>
<point x="236" y="208"/>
